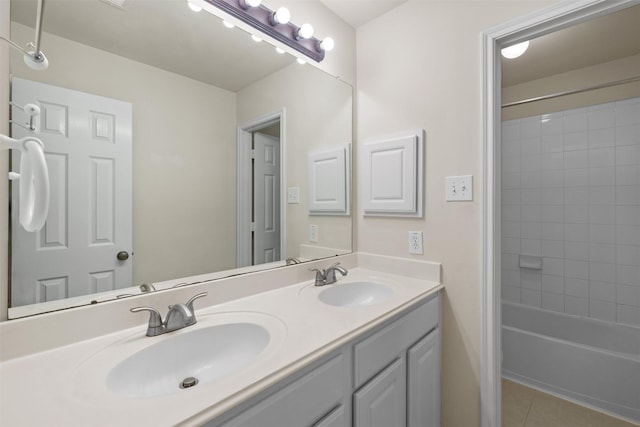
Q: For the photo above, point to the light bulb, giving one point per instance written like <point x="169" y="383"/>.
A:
<point x="228" y="24"/>
<point x="194" y="7"/>
<point x="327" y="44"/>
<point x="256" y="39"/>
<point x="515" y="50"/>
<point x="246" y="4"/>
<point x="300" y="61"/>
<point x="305" y="31"/>
<point x="280" y="16"/>
<point x="280" y="51"/>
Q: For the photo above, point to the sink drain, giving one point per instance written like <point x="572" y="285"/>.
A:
<point x="188" y="382"/>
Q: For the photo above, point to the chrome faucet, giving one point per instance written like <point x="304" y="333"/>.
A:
<point x="179" y="316"/>
<point x="328" y="276"/>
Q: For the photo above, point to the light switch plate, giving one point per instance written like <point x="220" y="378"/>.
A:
<point x="313" y="233"/>
<point x="459" y="188"/>
<point x="293" y="195"/>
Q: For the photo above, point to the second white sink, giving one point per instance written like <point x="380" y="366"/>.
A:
<point x="354" y="294"/>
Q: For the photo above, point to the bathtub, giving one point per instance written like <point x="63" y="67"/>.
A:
<point x="589" y="361"/>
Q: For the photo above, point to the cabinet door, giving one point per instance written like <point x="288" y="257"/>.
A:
<point x="336" y="418"/>
<point x="423" y="400"/>
<point x="382" y="401"/>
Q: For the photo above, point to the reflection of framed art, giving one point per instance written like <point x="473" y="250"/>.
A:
<point x="329" y="180"/>
<point x="392" y="176"/>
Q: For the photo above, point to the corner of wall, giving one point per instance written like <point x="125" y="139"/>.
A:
<point x="4" y="160"/>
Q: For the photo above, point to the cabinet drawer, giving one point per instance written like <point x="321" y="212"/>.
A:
<point x="380" y="349"/>
<point x="300" y="403"/>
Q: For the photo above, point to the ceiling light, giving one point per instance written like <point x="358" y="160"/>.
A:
<point x="228" y="24"/>
<point x="305" y="32"/>
<point x="515" y="50"/>
<point x="194" y="7"/>
<point x="280" y="16"/>
<point x="246" y="4"/>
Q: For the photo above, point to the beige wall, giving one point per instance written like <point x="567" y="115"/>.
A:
<point x="420" y="66"/>
<point x="183" y="137"/>
<point x="574" y="80"/>
<point x="4" y="159"/>
<point x="318" y="115"/>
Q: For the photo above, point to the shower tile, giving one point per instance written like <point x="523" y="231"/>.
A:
<point x="576" y="287"/>
<point x="511" y="196"/>
<point x="602" y="252"/>
<point x="531" y="213"/>
<point x="602" y="195"/>
<point x="602" y="176"/>
<point x="601" y="116"/>
<point x="628" y="295"/>
<point x="578" y="251"/>
<point x="575" y="121"/>
<point x="552" y="231"/>
<point x="576" y="232"/>
<point x="601" y="138"/>
<point x="602" y="310"/>
<point x="552" y="124"/>
<point x="628" y="195"/>
<point x="510" y="294"/>
<point x="511" y="213"/>
<point x="628" y="234"/>
<point x="531" y="297"/>
<point x="628" y="255"/>
<point x="575" y="141"/>
<point x="510" y="245"/>
<point x="531" y="246"/>
<point x="602" y="233"/>
<point x="552" y="178"/>
<point x="552" y="196"/>
<point x="531" y="196"/>
<point x="530" y="179"/>
<point x="553" y="266"/>
<point x="576" y="177"/>
<point x="576" y="305"/>
<point x="627" y="155"/>
<point x="552" y="161"/>
<point x="530" y="127"/>
<point x="602" y="214"/>
<point x="602" y="272"/>
<point x="628" y="215"/>
<point x="511" y="278"/>
<point x="510" y="130"/>
<point x="530" y="162"/>
<point x="552" y="143"/>
<point x="628" y="275"/>
<point x="511" y="180"/>
<point x="552" y="284"/>
<point x="531" y="280"/>
<point x="511" y="165"/>
<point x="553" y="301"/>
<point x="576" y="196"/>
<point x="602" y="291"/>
<point x="627" y="112"/>
<point x="553" y="213"/>
<point x="602" y="157"/>
<point x="511" y="229"/>
<point x="510" y="149"/>
<point x="530" y="146"/>
<point x="628" y="175"/>
<point x="576" y="269"/>
<point x="576" y="214"/>
<point x="553" y="248"/>
<point x="510" y="262"/>
<point x="628" y="314"/>
<point x="531" y="230"/>
<point x="628" y="135"/>
<point x="576" y="159"/>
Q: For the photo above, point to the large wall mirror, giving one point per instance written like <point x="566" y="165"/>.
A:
<point x="147" y="112"/>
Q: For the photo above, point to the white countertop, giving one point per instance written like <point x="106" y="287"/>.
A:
<point x="66" y="386"/>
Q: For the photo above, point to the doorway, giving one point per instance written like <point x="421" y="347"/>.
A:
<point x="544" y="22"/>
<point x="261" y="178"/>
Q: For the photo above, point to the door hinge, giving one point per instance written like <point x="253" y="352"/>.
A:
<point x="253" y="226"/>
<point x="253" y="153"/>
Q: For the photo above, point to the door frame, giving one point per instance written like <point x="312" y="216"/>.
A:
<point x="244" y="183"/>
<point x="547" y="20"/>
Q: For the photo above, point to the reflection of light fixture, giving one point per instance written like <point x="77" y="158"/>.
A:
<point x="256" y="38"/>
<point x="305" y="32"/>
<point x="300" y="61"/>
<point x="276" y="25"/>
<point x="280" y="50"/>
<point x="280" y="16"/>
<point x="246" y="4"/>
<point x="515" y="50"/>
<point x="228" y="24"/>
<point x="194" y="7"/>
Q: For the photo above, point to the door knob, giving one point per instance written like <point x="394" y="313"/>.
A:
<point x="123" y="255"/>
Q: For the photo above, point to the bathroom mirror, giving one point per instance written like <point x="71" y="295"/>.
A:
<point x="189" y="95"/>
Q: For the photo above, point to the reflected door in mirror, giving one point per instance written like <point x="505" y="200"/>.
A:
<point x="266" y="205"/>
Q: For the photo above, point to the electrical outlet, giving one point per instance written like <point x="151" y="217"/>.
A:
<point x="415" y="242"/>
<point x="459" y="188"/>
<point x="313" y="233"/>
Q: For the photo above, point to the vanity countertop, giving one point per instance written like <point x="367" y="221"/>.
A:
<point x="56" y="387"/>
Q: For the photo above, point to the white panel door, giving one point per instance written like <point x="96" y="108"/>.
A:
<point x="88" y="147"/>
<point x="423" y="367"/>
<point x="266" y="198"/>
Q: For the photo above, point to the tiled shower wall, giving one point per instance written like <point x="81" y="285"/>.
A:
<point x="571" y="195"/>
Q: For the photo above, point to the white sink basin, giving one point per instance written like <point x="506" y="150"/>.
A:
<point x="205" y="354"/>
<point x="354" y="294"/>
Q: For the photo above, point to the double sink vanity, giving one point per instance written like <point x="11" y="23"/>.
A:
<point x="362" y="351"/>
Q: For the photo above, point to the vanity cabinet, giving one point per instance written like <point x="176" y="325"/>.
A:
<point x="388" y="377"/>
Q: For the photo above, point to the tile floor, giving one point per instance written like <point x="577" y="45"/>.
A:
<point x="525" y="407"/>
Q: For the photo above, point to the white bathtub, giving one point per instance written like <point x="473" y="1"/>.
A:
<point x="586" y="360"/>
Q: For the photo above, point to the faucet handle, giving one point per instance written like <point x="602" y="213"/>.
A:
<point x="154" y="320"/>
<point x="189" y="303"/>
<point x="320" y="277"/>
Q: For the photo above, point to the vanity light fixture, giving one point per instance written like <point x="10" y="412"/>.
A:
<point x="194" y="7"/>
<point x="516" y="50"/>
<point x="228" y="24"/>
<point x="280" y="50"/>
<point x="275" y="24"/>
<point x="300" y="61"/>
<point x="327" y="44"/>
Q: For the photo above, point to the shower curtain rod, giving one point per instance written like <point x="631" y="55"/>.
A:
<point x="572" y="92"/>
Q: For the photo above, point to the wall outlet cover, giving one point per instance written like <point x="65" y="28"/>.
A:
<point x="415" y="242"/>
<point x="293" y="195"/>
<point x="313" y="233"/>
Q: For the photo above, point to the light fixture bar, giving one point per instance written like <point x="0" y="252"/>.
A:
<point x="261" y="17"/>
